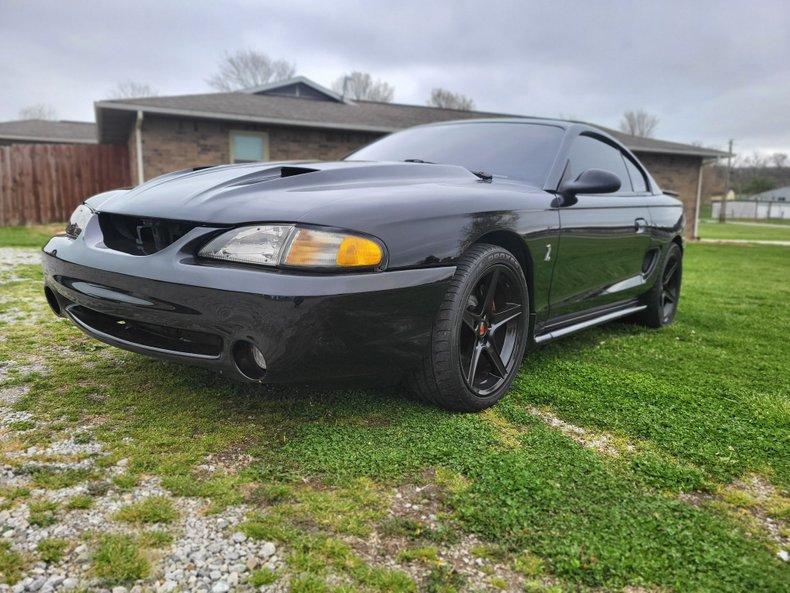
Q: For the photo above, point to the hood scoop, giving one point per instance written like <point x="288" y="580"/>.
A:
<point x="270" y="174"/>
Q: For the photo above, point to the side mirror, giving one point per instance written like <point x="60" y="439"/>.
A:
<point x="591" y="181"/>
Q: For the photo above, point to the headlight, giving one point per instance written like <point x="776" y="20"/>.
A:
<point x="291" y="246"/>
<point x="79" y="218"/>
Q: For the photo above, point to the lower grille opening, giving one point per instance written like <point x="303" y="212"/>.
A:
<point x="141" y="236"/>
<point x="52" y="301"/>
<point x="149" y="335"/>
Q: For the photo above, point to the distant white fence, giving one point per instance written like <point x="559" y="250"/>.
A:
<point x="751" y="209"/>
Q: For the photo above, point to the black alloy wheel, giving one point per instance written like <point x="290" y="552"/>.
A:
<point x="489" y="329"/>
<point x="670" y="287"/>
<point x="663" y="298"/>
<point x="479" y="335"/>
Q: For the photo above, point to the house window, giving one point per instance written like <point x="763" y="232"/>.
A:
<point x="249" y="147"/>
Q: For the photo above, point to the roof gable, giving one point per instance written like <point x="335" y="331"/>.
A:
<point x="298" y="87"/>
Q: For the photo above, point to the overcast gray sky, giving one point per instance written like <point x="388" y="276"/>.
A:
<point x="709" y="70"/>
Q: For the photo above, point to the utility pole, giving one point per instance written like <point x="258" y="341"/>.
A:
<point x="723" y="207"/>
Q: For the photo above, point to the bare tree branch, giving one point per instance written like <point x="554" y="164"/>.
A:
<point x="248" y="68"/>
<point x="360" y="86"/>
<point x="639" y="123"/>
<point x="450" y="100"/>
<point x="130" y="89"/>
<point x="779" y="159"/>
<point x="38" y="111"/>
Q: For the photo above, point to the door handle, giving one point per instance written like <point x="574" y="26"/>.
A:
<point x="640" y="224"/>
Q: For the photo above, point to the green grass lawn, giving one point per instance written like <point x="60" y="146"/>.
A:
<point x="712" y="229"/>
<point x="623" y="457"/>
<point x="31" y="236"/>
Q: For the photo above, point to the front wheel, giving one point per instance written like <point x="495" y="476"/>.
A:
<point x="662" y="300"/>
<point x="479" y="334"/>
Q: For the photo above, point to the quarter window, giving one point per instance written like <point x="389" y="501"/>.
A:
<point x="637" y="177"/>
<point x="248" y="147"/>
<point x="589" y="153"/>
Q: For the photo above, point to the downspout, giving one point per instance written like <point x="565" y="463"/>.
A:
<point x="138" y="146"/>
<point x="699" y="199"/>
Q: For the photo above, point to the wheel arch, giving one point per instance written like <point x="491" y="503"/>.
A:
<point x="512" y="242"/>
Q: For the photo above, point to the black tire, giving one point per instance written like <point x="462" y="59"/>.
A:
<point x="662" y="300"/>
<point x="495" y="328"/>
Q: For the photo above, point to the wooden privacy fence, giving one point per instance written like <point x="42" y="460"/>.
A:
<point x="42" y="183"/>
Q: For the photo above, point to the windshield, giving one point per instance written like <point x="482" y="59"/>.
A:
<point x="513" y="150"/>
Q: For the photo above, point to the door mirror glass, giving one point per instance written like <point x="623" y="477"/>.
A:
<point x="591" y="181"/>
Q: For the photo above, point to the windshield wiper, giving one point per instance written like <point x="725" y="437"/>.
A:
<point x="481" y="174"/>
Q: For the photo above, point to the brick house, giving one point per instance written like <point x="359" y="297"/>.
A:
<point x="298" y="119"/>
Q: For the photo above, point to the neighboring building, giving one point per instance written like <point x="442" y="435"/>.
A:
<point x="44" y="131"/>
<point x="772" y="204"/>
<point x="300" y="120"/>
<point x="780" y="194"/>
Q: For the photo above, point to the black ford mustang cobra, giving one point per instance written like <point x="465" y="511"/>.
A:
<point x="436" y="254"/>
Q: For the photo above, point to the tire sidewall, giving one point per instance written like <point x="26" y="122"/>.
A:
<point x="480" y="267"/>
<point x="674" y="249"/>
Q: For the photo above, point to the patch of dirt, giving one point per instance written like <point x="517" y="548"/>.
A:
<point x="508" y="434"/>
<point x="597" y="441"/>
<point x="419" y="518"/>
<point x="755" y="498"/>
<point x="230" y="461"/>
<point x="10" y="395"/>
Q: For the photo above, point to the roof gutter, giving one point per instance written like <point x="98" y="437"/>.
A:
<point x="680" y="152"/>
<point x="244" y="118"/>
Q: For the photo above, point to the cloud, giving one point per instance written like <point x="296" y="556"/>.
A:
<point x="709" y="70"/>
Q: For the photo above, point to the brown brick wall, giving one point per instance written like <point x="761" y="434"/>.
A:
<point x="679" y="174"/>
<point x="170" y="144"/>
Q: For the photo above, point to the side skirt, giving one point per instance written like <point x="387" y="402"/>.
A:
<point x="573" y="328"/>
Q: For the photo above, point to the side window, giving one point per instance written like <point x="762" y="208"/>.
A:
<point x="589" y="153"/>
<point x="637" y="177"/>
<point x="248" y="147"/>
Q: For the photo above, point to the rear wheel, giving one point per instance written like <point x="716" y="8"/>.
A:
<point x="662" y="300"/>
<point x="479" y="335"/>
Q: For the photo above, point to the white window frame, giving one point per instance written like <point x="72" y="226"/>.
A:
<point x="263" y="135"/>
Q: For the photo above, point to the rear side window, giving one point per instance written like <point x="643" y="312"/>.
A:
<point x="590" y="153"/>
<point x="637" y="177"/>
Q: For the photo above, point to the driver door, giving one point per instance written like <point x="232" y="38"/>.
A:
<point x="604" y="238"/>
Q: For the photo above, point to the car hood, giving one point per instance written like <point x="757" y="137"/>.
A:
<point x="284" y="191"/>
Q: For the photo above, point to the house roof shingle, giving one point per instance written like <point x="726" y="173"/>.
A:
<point x="114" y="116"/>
<point x="42" y="130"/>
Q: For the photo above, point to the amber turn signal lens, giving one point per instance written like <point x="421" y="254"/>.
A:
<point x="357" y="252"/>
<point x="314" y="248"/>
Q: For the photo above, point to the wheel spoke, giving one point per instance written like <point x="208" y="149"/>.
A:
<point x="502" y="317"/>
<point x="470" y="319"/>
<point x="670" y="272"/>
<point x="496" y="360"/>
<point x="669" y="297"/>
<point x="491" y="291"/>
<point x="470" y="376"/>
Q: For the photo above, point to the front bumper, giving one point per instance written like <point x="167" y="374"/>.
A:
<point x="308" y="327"/>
